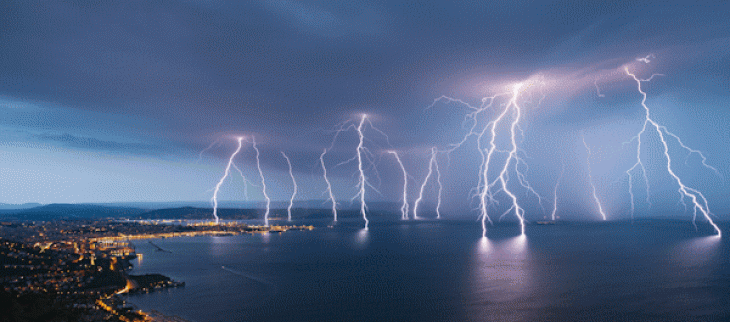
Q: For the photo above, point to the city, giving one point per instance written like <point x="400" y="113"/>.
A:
<point x="79" y="270"/>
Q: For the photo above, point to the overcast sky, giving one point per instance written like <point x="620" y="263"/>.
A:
<point x="106" y="101"/>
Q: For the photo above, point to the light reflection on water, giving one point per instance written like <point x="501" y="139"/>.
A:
<point x="695" y="252"/>
<point x="362" y="238"/>
<point x="444" y="272"/>
<point x="500" y="273"/>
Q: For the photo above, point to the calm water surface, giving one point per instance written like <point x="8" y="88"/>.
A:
<point x="445" y="271"/>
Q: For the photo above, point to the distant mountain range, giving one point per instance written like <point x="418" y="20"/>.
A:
<point x="4" y="206"/>
<point x="69" y="211"/>
<point x="178" y="210"/>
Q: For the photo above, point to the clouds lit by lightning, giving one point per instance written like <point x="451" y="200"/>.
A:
<point x="263" y="182"/>
<point x="590" y="179"/>
<point x="294" y="182"/>
<point x="404" y="207"/>
<point x="225" y="175"/>
<point x="699" y="202"/>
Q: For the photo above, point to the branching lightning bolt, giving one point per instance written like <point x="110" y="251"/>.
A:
<point x="329" y="185"/>
<point x="484" y="189"/>
<point x="404" y="207"/>
<point x="698" y="199"/>
<point x="294" y="182"/>
<point x="503" y="177"/>
<point x="431" y="161"/>
<point x="363" y="155"/>
<point x="263" y="183"/>
<point x="363" y="178"/>
<point x="220" y="182"/>
<point x="590" y="178"/>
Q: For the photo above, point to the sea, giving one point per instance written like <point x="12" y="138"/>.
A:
<point x="443" y="270"/>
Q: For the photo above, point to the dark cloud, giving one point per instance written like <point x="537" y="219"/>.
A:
<point x="179" y="75"/>
<point x="88" y="143"/>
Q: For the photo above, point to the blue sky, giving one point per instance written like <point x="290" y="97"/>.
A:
<point x="105" y="102"/>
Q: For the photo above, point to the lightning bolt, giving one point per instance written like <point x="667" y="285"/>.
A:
<point x="363" y="155"/>
<point x="484" y="189"/>
<point x="699" y="201"/>
<point x="294" y="182"/>
<point x="645" y="59"/>
<point x="404" y="207"/>
<point x="263" y="182"/>
<point x="329" y="186"/>
<point x="555" y="191"/>
<point x="363" y="178"/>
<point x="438" y="182"/>
<point x="246" y="182"/>
<point x="503" y="177"/>
<point x="225" y="175"/>
<point x="598" y="89"/>
<point x="217" y="142"/>
<point x="590" y="178"/>
<point x="425" y="181"/>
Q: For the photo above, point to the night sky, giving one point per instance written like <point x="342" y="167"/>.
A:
<point x="114" y="101"/>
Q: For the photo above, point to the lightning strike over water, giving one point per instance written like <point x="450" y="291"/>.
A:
<point x="294" y="182"/>
<point x="331" y="196"/>
<point x="225" y="175"/>
<point x="263" y="183"/>
<point x="441" y="188"/>
<point x="590" y="179"/>
<point x="431" y="161"/>
<point x="698" y="199"/>
<point x="486" y="190"/>
<point x="363" y="179"/>
<point x="503" y="178"/>
<point x="404" y="207"/>
<point x="555" y="191"/>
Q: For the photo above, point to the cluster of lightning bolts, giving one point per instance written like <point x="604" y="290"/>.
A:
<point x="506" y="111"/>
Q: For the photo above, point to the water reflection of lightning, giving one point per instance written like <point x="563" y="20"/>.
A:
<point x="294" y="182"/>
<point x="590" y="178"/>
<point x="225" y="175"/>
<point x="404" y="207"/>
<point x="331" y="196"/>
<point x="263" y="182"/>
<point x="555" y="191"/>
<point x="698" y="199"/>
<point x="431" y="161"/>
